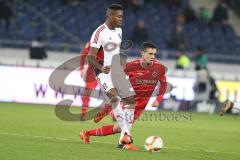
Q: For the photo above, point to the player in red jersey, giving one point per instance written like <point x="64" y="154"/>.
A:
<point x="88" y="75"/>
<point x="145" y="74"/>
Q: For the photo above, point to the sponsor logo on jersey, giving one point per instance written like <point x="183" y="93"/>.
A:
<point x="146" y="81"/>
<point x="154" y="74"/>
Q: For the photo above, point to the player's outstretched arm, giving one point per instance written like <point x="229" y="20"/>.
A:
<point x="161" y="93"/>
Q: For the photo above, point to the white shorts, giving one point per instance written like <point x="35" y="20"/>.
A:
<point x="120" y="83"/>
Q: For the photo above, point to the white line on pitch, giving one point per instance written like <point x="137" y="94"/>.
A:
<point x="66" y="139"/>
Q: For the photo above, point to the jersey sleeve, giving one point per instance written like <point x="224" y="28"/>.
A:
<point x="163" y="88"/>
<point x="163" y="81"/>
<point x="96" y="39"/>
<point x="130" y="69"/>
<point x="162" y="70"/>
<point x="127" y="67"/>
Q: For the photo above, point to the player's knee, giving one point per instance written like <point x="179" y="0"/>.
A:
<point x="116" y="129"/>
<point x="129" y="106"/>
<point x="115" y="99"/>
<point x="129" y="101"/>
<point x="112" y="93"/>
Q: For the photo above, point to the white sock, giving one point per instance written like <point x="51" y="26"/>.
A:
<point x="129" y="114"/>
<point x="119" y="115"/>
<point x="236" y="105"/>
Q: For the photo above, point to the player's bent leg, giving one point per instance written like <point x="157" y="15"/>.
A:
<point x="129" y="100"/>
<point x="107" y="84"/>
<point x="226" y="106"/>
<point x="112" y="93"/>
<point x="86" y="96"/>
<point x="116" y="128"/>
<point x="137" y="113"/>
<point x="104" y="111"/>
<point x="102" y="131"/>
<point x="119" y="115"/>
<point x="129" y="110"/>
<point x="91" y="84"/>
<point x="86" y="100"/>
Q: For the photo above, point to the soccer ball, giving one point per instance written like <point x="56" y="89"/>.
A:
<point x="153" y="144"/>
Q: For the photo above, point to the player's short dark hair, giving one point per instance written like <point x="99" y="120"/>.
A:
<point x="115" y="7"/>
<point x="147" y="44"/>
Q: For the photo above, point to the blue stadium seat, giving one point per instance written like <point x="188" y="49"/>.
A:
<point x="81" y="20"/>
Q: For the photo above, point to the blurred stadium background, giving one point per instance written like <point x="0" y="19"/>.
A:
<point x="198" y="40"/>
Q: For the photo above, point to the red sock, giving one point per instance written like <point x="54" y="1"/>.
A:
<point x="103" y="131"/>
<point x="85" y="103"/>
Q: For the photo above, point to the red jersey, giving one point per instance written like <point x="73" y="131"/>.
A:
<point x="144" y="80"/>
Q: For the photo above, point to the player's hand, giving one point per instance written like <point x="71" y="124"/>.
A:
<point x="105" y="69"/>
<point x="155" y="104"/>
<point x="82" y="72"/>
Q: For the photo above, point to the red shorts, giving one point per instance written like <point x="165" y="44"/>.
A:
<point x="140" y="106"/>
<point x="137" y="114"/>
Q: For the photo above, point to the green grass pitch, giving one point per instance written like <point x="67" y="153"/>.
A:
<point x="33" y="132"/>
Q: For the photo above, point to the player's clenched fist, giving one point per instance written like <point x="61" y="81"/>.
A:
<point x="105" y="69"/>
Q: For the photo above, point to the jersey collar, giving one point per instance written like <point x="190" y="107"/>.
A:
<point x="141" y="63"/>
<point x="109" y="28"/>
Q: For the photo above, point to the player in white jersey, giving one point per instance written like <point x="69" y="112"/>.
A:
<point x="112" y="77"/>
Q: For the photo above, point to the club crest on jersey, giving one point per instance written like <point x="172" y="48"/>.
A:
<point x="110" y="46"/>
<point x="154" y="74"/>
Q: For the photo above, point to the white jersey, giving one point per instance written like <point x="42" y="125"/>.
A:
<point x="109" y="39"/>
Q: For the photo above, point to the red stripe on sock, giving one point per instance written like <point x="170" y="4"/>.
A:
<point x="103" y="131"/>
